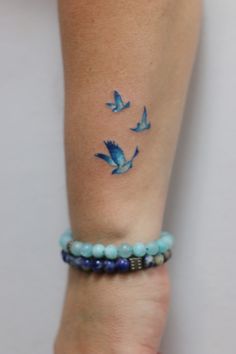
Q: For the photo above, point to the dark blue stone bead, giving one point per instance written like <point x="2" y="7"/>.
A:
<point x="122" y="265"/>
<point x="67" y="257"/>
<point x="86" y="264"/>
<point x="64" y="255"/>
<point x="78" y="262"/>
<point x="109" y="266"/>
<point x="97" y="265"/>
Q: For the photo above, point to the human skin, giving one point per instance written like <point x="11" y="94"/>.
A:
<point x="146" y="50"/>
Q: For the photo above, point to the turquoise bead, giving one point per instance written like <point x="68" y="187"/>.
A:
<point x="76" y="247"/>
<point x="139" y="249"/>
<point x="163" y="245"/>
<point x="98" y="250"/>
<point x="86" y="250"/>
<point x="125" y="250"/>
<point x="152" y="248"/>
<point x="169" y="239"/>
<point x="64" y="239"/>
<point x="111" y="252"/>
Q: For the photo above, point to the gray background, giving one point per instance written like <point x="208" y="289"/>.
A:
<point x="33" y="210"/>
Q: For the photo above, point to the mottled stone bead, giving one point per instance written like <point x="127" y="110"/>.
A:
<point x="139" y="249"/>
<point x="111" y="252"/>
<point x="86" y="264"/>
<point x="159" y="259"/>
<point x="75" y="248"/>
<point x="78" y="262"/>
<point x="149" y="261"/>
<point x="125" y="250"/>
<point x="86" y="250"/>
<point x="167" y="255"/>
<point x="152" y="248"/>
<point x="64" y="239"/>
<point x="97" y="265"/>
<point x="98" y="250"/>
<point x="122" y="265"/>
<point x="109" y="266"/>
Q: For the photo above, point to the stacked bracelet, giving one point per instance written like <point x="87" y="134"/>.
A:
<point x="111" y="258"/>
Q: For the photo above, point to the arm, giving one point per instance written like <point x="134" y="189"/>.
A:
<point x="145" y="50"/>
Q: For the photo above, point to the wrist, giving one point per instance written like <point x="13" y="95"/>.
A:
<point x="118" y="315"/>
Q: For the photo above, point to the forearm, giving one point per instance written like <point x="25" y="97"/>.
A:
<point x="144" y="50"/>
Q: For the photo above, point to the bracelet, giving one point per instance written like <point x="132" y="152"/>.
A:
<point x="111" y="259"/>
<point x="120" y="265"/>
<point x="125" y="250"/>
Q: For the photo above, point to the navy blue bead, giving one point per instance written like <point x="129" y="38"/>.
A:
<point x="109" y="266"/>
<point x="86" y="264"/>
<point x="78" y="262"/>
<point x="122" y="265"/>
<point x="63" y="255"/>
<point x="97" y="265"/>
<point x="67" y="257"/>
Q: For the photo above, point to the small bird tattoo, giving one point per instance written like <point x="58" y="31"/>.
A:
<point x="143" y="124"/>
<point x="118" y="105"/>
<point x="117" y="158"/>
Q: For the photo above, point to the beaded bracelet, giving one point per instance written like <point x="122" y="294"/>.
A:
<point x="125" y="250"/>
<point x="111" y="258"/>
<point x="120" y="265"/>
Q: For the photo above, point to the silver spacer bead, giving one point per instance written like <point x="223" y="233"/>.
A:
<point x="136" y="263"/>
<point x="69" y="245"/>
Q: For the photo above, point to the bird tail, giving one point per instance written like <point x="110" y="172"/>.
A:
<point x="127" y="105"/>
<point x="111" y="105"/>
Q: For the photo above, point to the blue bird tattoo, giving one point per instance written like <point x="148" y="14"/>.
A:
<point x="117" y="158"/>
<point x="118" y="105"/>
<point x="143" y="124"/>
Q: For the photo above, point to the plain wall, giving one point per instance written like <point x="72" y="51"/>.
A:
<point x="33" y="207"/>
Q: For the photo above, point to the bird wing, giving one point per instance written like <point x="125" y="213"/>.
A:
<point x="135" y="153"/>
<point x="144" y="116"/>
<point x="116" y="152"/>
<point x="106" y="158"/>
<point x="118" y="99"/>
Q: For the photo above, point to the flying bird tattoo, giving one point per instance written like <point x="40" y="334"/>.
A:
<point x="118" y="105"/>
<point x="143" y="124"/>
<point x="117" y="158"/>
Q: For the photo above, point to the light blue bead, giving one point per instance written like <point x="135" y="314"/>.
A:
<point x="169" y="239"/>
<point x="111" y="252"/>
<point x="76" y="247"/>
<point x="152" y="248"/>
<point x="139" y="249"/>
<point x="86" y="250"/>
<point x="163" y="245"/>
<point x="125" y="250"/>
<point x="98" y="250"/>
<point x="64" y="239"/>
